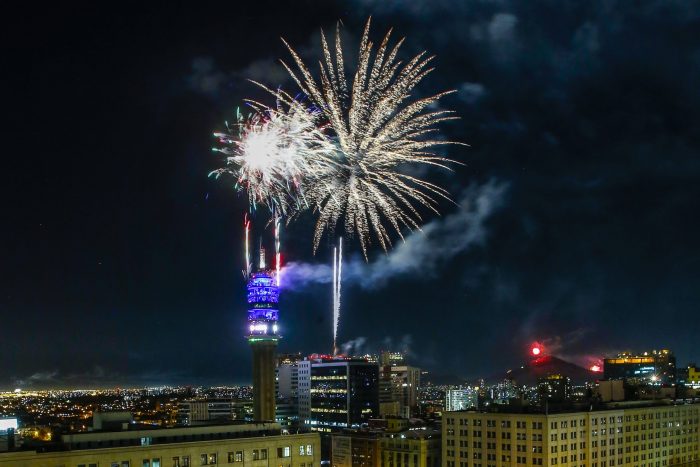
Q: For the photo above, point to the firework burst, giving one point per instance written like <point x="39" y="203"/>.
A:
<point x="378" y="129"/>
<point x="271" y="151"/>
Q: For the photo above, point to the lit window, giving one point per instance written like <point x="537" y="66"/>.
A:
<point x="202" y="459"/>
<point x="301" y="450"/>
<point x="154" y="462"/>
<point x="212" y="459"/>
<point x="309" y="450"/>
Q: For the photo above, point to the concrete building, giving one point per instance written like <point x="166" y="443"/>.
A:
<point x="634" y="434"/>
<point x="358" y="449"/>
<point x="375" y="448"/>
<point x="238" y="444"/>
<point x="400" y="383"/>
<point x="413" y="448"/>
<point x="461" y="399"/>
<point x="197" y="412"/>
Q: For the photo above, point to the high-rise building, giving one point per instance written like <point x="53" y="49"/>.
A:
<point x="555" y="388"/>
<point x="617" y="434"/>
<point x="461" y="399"/>
<point x="263" y="335"/>
<point x="656" y="367"/>
<point x="398" y="382"/>
<point x="341" y="393"/>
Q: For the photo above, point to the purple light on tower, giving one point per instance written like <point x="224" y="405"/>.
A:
<point x="263" y="335"/>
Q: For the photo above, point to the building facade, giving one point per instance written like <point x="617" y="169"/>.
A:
<point x="657" y="367"/>
<point x="343" y="393"/>
<point x="461" y="399"/>
<point x="243" y="445"/>
<point x="640" y="436"/>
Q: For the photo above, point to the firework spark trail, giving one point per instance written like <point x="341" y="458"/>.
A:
<point x="378" y="129"/>
<point x="278" y="256"/>
<point x="248" y="264"/>
<point x="337" y="280"/>
<point x="335" y="297"/>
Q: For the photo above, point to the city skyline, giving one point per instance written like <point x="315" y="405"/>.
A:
<point x="122" y="259"/>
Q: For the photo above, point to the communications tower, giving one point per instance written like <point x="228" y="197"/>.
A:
<point x="263" y="313"/>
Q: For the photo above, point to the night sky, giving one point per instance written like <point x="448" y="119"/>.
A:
<point x="577" y="223"/>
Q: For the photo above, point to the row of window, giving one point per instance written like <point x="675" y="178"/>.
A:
<point x="212" y="458"/>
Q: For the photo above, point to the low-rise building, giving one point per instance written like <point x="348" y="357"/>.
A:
<point x="258" y="444"/>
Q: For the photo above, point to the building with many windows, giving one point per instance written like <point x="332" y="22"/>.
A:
<point x="656" y="367"/>
<point x="461" y="399"/>
<point x="239" y="444"/>
<point x="341" y="393"/>
<point x="621" y="434"/>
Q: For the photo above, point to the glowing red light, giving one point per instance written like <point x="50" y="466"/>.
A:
<point x="595" y="369"/>
<point x="536" y="351"/>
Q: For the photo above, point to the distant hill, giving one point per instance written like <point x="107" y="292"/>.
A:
<point x="543" y="366"/>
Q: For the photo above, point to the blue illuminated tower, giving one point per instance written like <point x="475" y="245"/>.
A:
<point x="263" y="313"/>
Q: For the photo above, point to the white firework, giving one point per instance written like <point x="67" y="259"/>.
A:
<point x="378" y="129"/>
<point x="270" y="152"/>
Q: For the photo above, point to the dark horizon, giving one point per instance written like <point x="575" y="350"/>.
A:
<point x="576" y="224"/>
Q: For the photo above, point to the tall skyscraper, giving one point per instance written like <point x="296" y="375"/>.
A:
<point x="263" y="335"/>
<point x="341" y="393"/>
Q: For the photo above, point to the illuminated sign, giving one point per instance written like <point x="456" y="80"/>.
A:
<point x="8" y="423"/>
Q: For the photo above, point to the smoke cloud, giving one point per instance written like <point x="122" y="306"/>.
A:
<point x="422" y="251"/>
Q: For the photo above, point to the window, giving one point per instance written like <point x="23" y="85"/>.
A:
<point x="185" y="461"/>
<point x="202" y="459"/>
<point x="310" y="450"/>
<point x="212" y="459"/>
<point x="263" y="454"/>
<point x="176" y="462"/>
<point x="284" y="452"/>
<point x="256" y="454"/>
<point x="125" y="463"/>
<point x="154" y="463"/>
<point x="145" y="463"/>
<point x="301" y="450"/>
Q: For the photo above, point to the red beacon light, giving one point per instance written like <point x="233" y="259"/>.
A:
<point x="536" y="350"/>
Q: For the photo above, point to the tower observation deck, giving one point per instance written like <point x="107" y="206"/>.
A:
<point x="263" y="335"/>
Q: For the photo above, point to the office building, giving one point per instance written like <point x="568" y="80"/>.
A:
<point x="233" y="444"/>
<point x="617" y="434"/>
<point x="398" y="383"/>
<point x="656" y="367"/>
<point x="461" y="399"/>
<point x="554" y="388"/>
<point x="263" y="336"/>
<point x="342" y="393"/>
